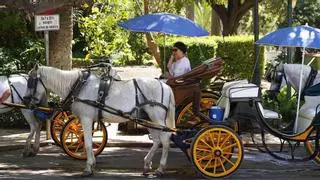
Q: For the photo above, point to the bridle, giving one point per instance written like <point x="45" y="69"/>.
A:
<point x="32" y="84"/>
<point x="275" y="76"/>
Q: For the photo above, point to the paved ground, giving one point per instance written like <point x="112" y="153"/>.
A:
<point x="127" y="163"/>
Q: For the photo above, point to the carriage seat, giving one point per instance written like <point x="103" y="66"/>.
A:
<point x="207" y="69"/>
<point x="242" y="91"/>
<point x="187" y="86"/>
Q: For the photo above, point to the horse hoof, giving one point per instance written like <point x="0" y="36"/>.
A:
<point x="157" y="173"/>
<point x="87" y="174"/>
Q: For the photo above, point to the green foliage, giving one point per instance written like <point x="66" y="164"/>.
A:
<point x="12" y="27"/>
<point x="307" y="11"/>
<point x="270" y="14"/>
<point x="286" y="106"/>
<point x="202" y="15"/>
<point x="237" y="52"/>
<point x="104" y="37"/>
<point x="19" y="49"/>
<point x="101" y="31"/>
<point x="23" y="57"/>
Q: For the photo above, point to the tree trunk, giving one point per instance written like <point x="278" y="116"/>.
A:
<point x="232" y="14"/>
<point x="60" y="46"/>
<point x="190" y="11"/>
<point x="150" y="41"/>
<point x="215" y="23"/>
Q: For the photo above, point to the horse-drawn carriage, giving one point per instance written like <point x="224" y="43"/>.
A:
<point x="189" y="98"/>
<point x="215" y="150"/>
<point x="214" y="147"/>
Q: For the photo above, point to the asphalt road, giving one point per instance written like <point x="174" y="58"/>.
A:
<point x="127" y="163"/>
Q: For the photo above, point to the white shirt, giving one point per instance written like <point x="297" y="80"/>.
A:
<point x="3" y="88"/>
<point x="180" y="67"/>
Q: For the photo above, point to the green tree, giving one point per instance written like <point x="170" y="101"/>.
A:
<point x="307" y="11"/>
<point x="271" y="13"/>
<point x="231" y="12"/>
<point x="203" y="15"/>
<point x="100" y="29"/>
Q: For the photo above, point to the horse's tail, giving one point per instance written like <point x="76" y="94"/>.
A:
<point x="170" y="119"/>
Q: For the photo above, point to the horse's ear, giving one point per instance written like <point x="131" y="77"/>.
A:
<point x="36" y="66"/>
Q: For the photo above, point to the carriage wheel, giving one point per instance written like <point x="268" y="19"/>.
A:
<point x="72" y="139"/>
<point x="310" y="147"/>
<point x="216" y="151"/>
<point x="57" y="125"/>
<point x="185" y="116"/>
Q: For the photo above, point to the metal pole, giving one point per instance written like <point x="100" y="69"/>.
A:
<point x="256" y="74"/>
<point x="299" y="92"/>
<point x="164" y="55"/>
<point x="46" y="39"/>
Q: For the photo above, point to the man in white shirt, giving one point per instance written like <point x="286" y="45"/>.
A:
<point x="4" y="92"/>
<point x="178" y="63"/>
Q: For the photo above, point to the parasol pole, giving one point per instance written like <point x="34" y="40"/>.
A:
<point x="299" y="92"/>
<point x="164" y="55"/>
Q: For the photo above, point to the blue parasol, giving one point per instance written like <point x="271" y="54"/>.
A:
<point x="299" y="36"/>
<point x="164" y="23"/>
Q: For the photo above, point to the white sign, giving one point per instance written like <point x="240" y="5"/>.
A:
<point x="47" y="22"/>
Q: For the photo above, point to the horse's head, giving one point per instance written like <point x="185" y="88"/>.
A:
<point x="36" y="92"/>
<point x="275" y="75"/>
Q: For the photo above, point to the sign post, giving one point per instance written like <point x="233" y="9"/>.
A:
<point x="47" y="23"/>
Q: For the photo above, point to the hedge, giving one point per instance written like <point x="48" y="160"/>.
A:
<point x="236" y="51"/>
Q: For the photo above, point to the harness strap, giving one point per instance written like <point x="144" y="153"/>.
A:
<point x="161" y="91"/>
<point x="136" y="86"/>
<point x="105" y="83"/>
<point x="75" y="90"/>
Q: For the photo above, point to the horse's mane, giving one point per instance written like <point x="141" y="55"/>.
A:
<point x="60" y="81"/>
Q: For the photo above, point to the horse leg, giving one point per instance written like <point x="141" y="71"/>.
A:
<point x="86" y="124"/>
<point x="33" y="126"/>
<point x="149" y="156"/>
<point x="36" y="144"/>
<point x="165" y="141"/>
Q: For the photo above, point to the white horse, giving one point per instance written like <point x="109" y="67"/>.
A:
<point x="122" y="96"/>
<point x="283" y="74"/>
<point x="18" y="86"/>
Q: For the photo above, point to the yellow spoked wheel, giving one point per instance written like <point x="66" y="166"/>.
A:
<point x="57" y="125"/>
<point x="310" y="147"/>
<point x="72" y="139"/>
<point x="216" y="151"/>
<point x="186" y="117"/>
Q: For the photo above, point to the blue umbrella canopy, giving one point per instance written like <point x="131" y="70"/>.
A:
<point x="164" y="23"/>
<point x="299" y="36"/>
